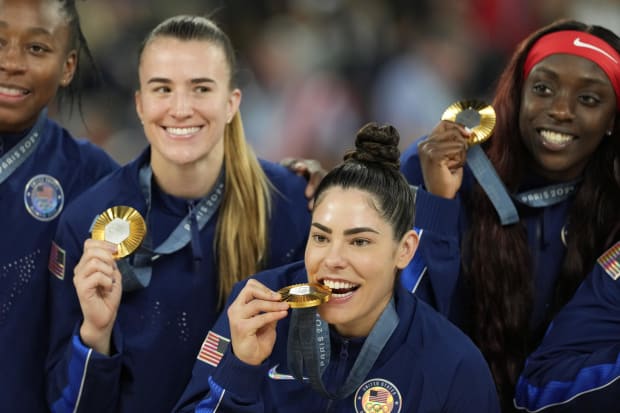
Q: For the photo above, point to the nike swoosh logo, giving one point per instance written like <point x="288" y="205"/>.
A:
<point x="577" y="42"/>
<point x="274" y="375"/>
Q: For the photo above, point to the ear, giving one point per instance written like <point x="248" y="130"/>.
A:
<point x="234" y="100"/>
<point x="68" y="69"/>
<point x="406" y="249"/>
<point x="138" y="102"/>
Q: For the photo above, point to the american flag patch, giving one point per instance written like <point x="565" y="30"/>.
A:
<point x="610" y="261"/>
<point x="213" y="349"/>
<point x="56" y="263"/>
<point x="378" y="396"/>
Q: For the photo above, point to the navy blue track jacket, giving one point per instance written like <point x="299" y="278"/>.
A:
<point x="159" y="329"/>
<point x="31" y="199"/>
<point x="427" y="365"/>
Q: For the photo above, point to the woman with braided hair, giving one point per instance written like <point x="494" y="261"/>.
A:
<point x="42" y="169"/>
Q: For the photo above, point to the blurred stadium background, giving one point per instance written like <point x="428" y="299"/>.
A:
<point x="314" y="71"/>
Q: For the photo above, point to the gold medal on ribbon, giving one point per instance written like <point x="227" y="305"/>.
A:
<point x="475" y="115"/>
<point x="120" y="225"/>
<point x="305" y="295"/>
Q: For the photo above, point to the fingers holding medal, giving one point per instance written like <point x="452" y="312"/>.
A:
<point x="116" y="233"/>
<point x="97" y="279"/>
<point x="444" y="152"/>
<point x="252" y="317"/>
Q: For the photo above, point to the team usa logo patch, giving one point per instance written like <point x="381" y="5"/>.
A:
<point x="378" y="395"/>
<point x="43" y="197"/>
<point x="213" y="348"/>
<point x="610" y="261"/>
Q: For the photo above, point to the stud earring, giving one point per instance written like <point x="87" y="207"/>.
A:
<point x="608" y="133"/>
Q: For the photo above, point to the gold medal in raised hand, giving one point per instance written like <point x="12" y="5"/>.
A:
<point x="475" y="115"/>
<point x="305" y="295"/>
<point x="120" y="225"/>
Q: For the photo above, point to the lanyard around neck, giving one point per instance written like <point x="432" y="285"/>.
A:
<point x="309" y="348"/>
<point x="11" y="160"/>
<point x="137" y="269"/>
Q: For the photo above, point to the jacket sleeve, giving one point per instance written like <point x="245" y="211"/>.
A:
<point x="221" y="382"/>
<point x="76" y="374"/>
<point x="577" y="366"/>
<point x="434" y="271"/>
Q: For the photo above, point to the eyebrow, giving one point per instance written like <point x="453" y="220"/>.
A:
<point x="589" y="79"/>
<point x="197" y="80"/>
<point x="351" y="231"/>
<point x="31" y="30"/>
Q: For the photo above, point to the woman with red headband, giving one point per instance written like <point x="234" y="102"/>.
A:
<point x="555" y="146"/>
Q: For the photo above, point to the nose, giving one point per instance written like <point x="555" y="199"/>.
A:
<point x="562" y="107"/>
<point x="181" y="105"/>
<point x="12" y="58"/>
<point x="334" y="257"/>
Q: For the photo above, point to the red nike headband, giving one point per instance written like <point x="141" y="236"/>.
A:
<point x="580" y="44"/>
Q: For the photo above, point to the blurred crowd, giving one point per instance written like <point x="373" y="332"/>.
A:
<point x="313" y="71"/>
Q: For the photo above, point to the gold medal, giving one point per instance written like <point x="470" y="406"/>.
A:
<point x="475" y="115"/>
<point x="120" y="225"/>
<point x="305" y="295"/>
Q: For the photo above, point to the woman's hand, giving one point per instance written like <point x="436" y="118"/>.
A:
<point x="442" y="157"/>
<point x="311" y="170"/>
<point x="98" y="285"/>
<point x="253" y="317"/>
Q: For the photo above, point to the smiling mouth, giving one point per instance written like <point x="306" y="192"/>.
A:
<point x="13" y="91"/>
<point x="340" y="288"/>
<point x="182" y="131"/>
<point x="555" y="138"/>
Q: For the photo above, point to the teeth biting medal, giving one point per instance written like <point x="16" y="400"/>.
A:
<point x="305" y="295"/>
<point x="120" y="225"/>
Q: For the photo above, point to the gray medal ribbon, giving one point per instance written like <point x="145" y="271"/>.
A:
<point x="308" y="348"/>
<point x="11" y="160"/>
<point x="549" y="195"/>
<point x="492" y="185"/>
<point x="137" y="269"/>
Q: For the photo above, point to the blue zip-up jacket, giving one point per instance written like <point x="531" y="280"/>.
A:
<point x="577" y="366"/>
<point x="443" y="223"/>
<point x="159" y="329"/>
<point x="427" y="365"/>
<point x="59" y="169"/>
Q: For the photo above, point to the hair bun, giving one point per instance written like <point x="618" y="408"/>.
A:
<point x="376" y="143"/>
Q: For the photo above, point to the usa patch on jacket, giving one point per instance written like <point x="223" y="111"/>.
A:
<point x="56" y="263"/>
<point x="610" y="261"/>
<point x="213" y="348"/>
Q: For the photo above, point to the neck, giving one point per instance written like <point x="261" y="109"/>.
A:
<point x="191" y="181"/>
<point x="363" y="328"/>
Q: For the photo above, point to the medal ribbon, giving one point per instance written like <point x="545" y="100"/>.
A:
<point x="309" y="347"/>
<point x="492" y="185"/>
<point x="137" y="269"/>
<point x="11" y="160"/>
<point x="548" y="195"/>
